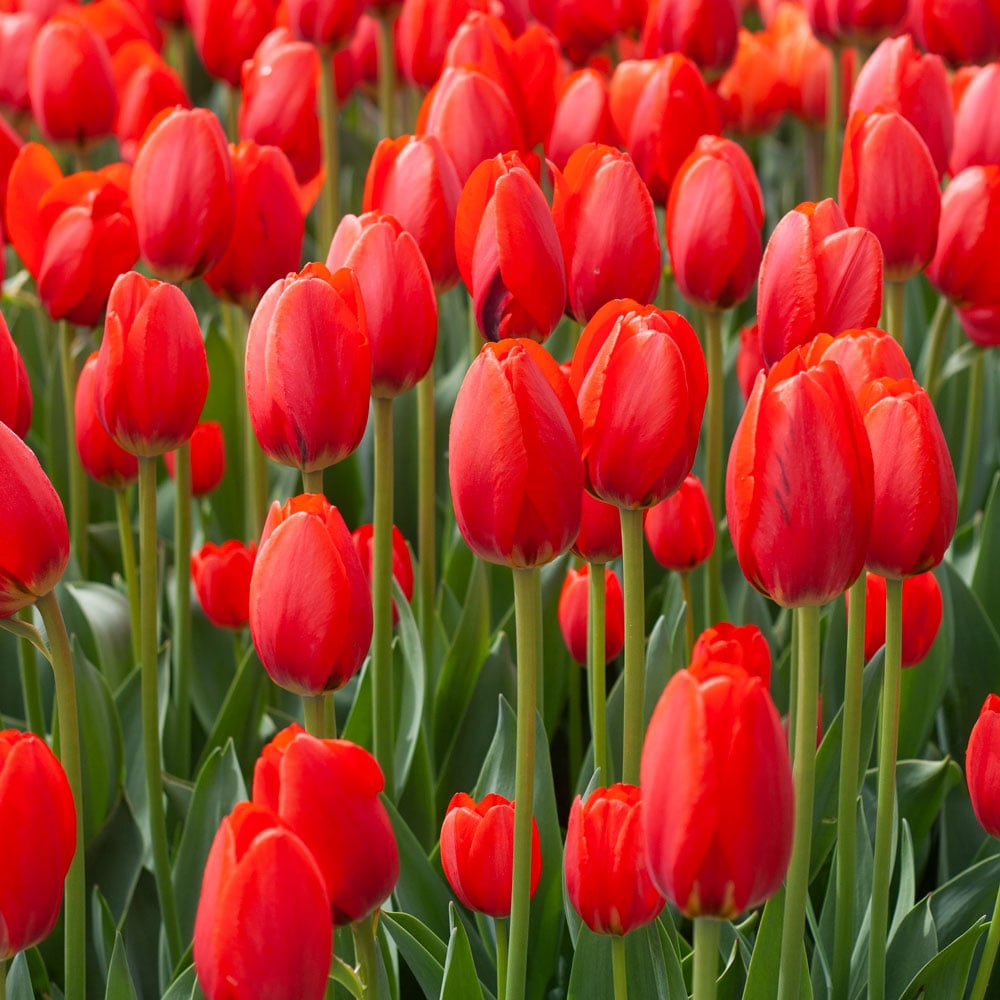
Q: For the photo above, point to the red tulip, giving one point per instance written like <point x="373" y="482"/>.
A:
<point x="514" y="458"/>
<point x="703" y="30"/>
<point x="753" y="94"/>
<point x="310" y="602"/>
<point x="328" y="24"/>
<point x="863" y="356"/>
<point x="308" y="368"/>
<point x="208" y="458"/>
<point x="799" y="485"/>
<point x="738" y="645"/>
<point x="37" y="838"/>
<point x="221" y="575"/>
<point x="226" y="34"/>
<point x="750" y="356"/>
<point x="183" y="194"/>
<point x="916" y="499"/>
<point x="982" y="766"/>
<point x="151" y="380"/>
<point x="263" y="925"/>
<point x="267" y="237"/>
<point x="957" y="31"/>
<point x="16" y="401"/>
<point x="423" y="32"/>
<point x="119" y="22"/>
<point x="583" y="115"/>
<point x="508" y="252"/>
<point x="607" y="226"/>
<point x="327" y="792"/>
<point x="714" y="217"/>
<point x="101" y="458"/>
<point x="681" y="529"/>
<point x="889" y="184"/>
<point x="574" y="613"/>
<point x="717" y="792"/>
<point x="977" y="121"/>
<point x="398" y="294"/>
<point x="641" y="384"/>
<point x="583" y="26"/>
<point x="600" y="537"/>
<point x="17" y="35"/>
<point x="817" y="276"/>
<point x="607" y="876"/>
<point x="981" y="324"/>
<point x="413" y="179"/>
<point x="477" y="852"/>
<point x="402" y="563"/>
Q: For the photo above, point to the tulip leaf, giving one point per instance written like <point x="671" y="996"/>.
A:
<point x="986" y="575"/>
<point x="103" y="930"/>
<point x="645" y="962"/>
<point x="947" y="973"/>
<point x="968" y="896"/>
<point x="114" y="862"/>
<point x="343" y="975"/>
<point x="554" y="678"/>
<point x="915" y="939"/>
<point x="184" y="987"/>
<point x="120" y="985"/>
<point x="412" y="673"/>
<point x="459" y="981"/>
<point x="766" y="956"/>
<point x="422" y="950"/>
<point x="906" y="894"/>
<point x="99" y="616"/>
<point x="922" y="786"/>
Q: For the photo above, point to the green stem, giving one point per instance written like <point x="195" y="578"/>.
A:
<point x="895" y="304"/>
<point x="850" y="751"/>
<point x="989" y="955"/>
<point x="182" y="607"/>
<point x="3" y="980"/>
<point x="77" y="477"/>
<point x="935" y="346"/>
<point x="475" y="337"/>
<point x="233" y="95"/>
<point x="635" y="643"/>
<point x="312" y="481"/>
<point x="619" y="967"/>
<point x="597" y="667"/>
<point x="574" y="722"/>
<point x="689" y="618"/>
<point x="884" y="820"/>
<point x="150" y="706"/>
<point x="706" y="957"/>
<point x="804" y="779"/>
<point x="314" y="712"/>
<point x="812" y="154"/>
<point x="127" y="544"/>
<point x="330" y="715"/>
<point x="831" y="145"/>
<point x="713" y="459"/>
<point x="75" y="940"/>
<point x="426" y="547"/>
<point x="363" y="932"/>
<point x="793" y="680"/>
<point x="329" y="199"/>
<point x="255" y="461"/>
<point x="177" y="54"/>
<point x="527" y="599"/>
<point x="382" y="704"/>
<point x="973" y="426"/>
<point x="500" y="926"/>
<point x="386" y="72"/>
<point x="34" y="709"/>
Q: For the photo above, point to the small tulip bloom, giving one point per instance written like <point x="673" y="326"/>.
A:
<point x="600" y="537"/>
<point x="226" y="34"/>
<point x="681" y="529"/>
<point x="327" y="792"/>
<point x="583" y="115"/>
<point x="607" y="876"/>
<point x="977" y="120"/>
<point x="16" y="401"/>
<point x="402" y="563"/>
<point x="706" y="31"/>
<point x="957" y="31"/>
<point x="37" y="839"/>
<point x="982" y="766"/>
<point x="208" y="458"/>
<point x="863" y="357"/>
<point x="923" y="608"/>
<point x="102" y="459"/>
<point x="328" y="24"/>
<point x="477" y="852"/>
<point x="738" y="645"/>
<point x="263" y="924"/>
<point x="574" y="613"/>
<point x="221" y="575"/>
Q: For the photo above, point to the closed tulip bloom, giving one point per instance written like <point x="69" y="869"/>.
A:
<point x="977" y="121"/>
<point x="17" y="35"/>
<point x="583" y="26"/>
<point x="267" y="236"/>
<point x="263" y="924"/>
<point x="221" y="575"/>
<point x="37" y="839"/>
<point x="607" y="226"/>
<point x="799" y="485"/>
<point x="151" y="379"/>
<point x="413" y="179"/>
<point x="607" y="876"/>
<point x="16" y="401"/>
<point x="641" y="383"/>
<point x="923" y="608"/>
<point x="957" y="31"/>
<point x="508" y="252"/>
<point x="863" y="357"/>
<point x="753" y="93"/>
<point x="705" y="31"/>
<point x="982" y="766"/>
<point x="327" y="792"/>
<point x="717" y="793"/>
<point x="681" y="529"/>
<point x="308" y="368"/>
<point x="102" y="459"/>
<point x="423" y="32"/>
<point x="981" y="324"/>
<point x="738" y="645"/>
<point x="70" y="83"/>
<point x="600" y="537"/>
<point x="916" y="499"/>
<point x="583" y="115"/>
<point x="328" y="24"/>
<point x="402" y="563"/>
<point x="817" y="275"/>
<point x="889" y="184"/>
<point x="310" y="602"/>
<point x="574" y="611"/>
<point x="208" y="458"/>
<point x="183" y="194"/>
<point x="225" y="34"/>
<point x="398" y="294"/>
<point x="477" y="852"/>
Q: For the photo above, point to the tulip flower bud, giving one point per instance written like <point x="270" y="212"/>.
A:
<point x="101" y="458"/>
<point x="17" y="36"/>
<point x="328" y="24"/>
<point x="607" y="876"/>
<point x="750" y="356"/>
<point x="641" y="384"/>
<point x="208" y="458"/>
<point x="514" y="457"/>
<point x="583" y="115"/>
<point x="37" y="837"/>
<point x="738" y="645"/>
<point x="308" y="368"/>
<point x="402" y="563"/>
<point x="310" y="603"/>
<point x="582" y="28"/>
<point x="327" y="793"/>
<point x="151" y="379"/>
<point x="957" y="31"/>
<point x="982" y="765"/>
<point x="753" y="93"/>
<point x="703" y="30"/>
<point x="261" y="884"/>
<point x="574" y="613"/>
<point x="422" y="35"/>
<point x="981" y="324"/>
<point x="221" y="575"/>
<point x="225" y="34"/>
<point x="16" y="401"/>
<point x="681" y="529"/>
<point x="977" y="121"/>
<point x="477" y="852"/>
<point x="863" y="357"/>
<point x="600" y="537"/>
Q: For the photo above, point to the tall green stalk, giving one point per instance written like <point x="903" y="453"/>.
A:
<point x="574" y="722"/>
<point x="500" y="928"/>
<point x="314" y="713"/>
<point x="312" y="481"/>
<point x="597" y="667"/>
<point x="619" y="966"/>
<point x="804" y="780"/>
<point x="329" y="198"/>
<point x="386" y="72"/>
<point x="527" y="605"/>
<point x="982" y="980"/>
<point x="426" y="546"/>
<point x="706" y="957"/>
<point x="127" y="545"/>
<point x="31" y="690"/>
<point x="75" y="938"/>
<point x="895" y="303"/>
<point x="713" y="459"/>
<point x="363" y="932"/>
<point x="382" y="703"/>
<point x="150" y="706"/>
<point x="182" y="607"/>
<point x="973" y="427"/>
<point x="831" y="144"/>
<point x="77" y="477"/>
<point x="689" y="617"/>
<point x="884" y="820"/>
<point x="635" y="644"/>
<point x="935" y="349"/>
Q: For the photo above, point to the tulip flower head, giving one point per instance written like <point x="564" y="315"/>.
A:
<point x="977" y="120"/>
<point x="208" y="458"/>
<point x="102" y="459"/>
<point x="738" y="645"/>
<point x="982" y="766"/>
<point x="706" y="31"/>
<point x="574" y="611"/>
<point x="863" y="356"/>
<point x="16" y="401"/>
<point x="600" y="537"/>
<point x="681" y="529"/>
<point x="402" y="562"/>
<point x="221" y="575"/>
